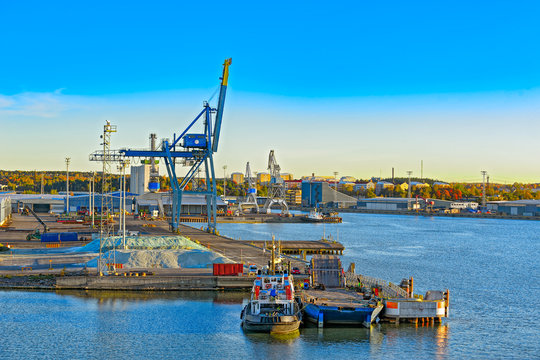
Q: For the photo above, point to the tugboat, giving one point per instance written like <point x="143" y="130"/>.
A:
<point x="272" y="307"/>
<point x="314" y="216"/>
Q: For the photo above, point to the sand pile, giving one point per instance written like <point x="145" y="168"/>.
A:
<point x="145" y="243"/>
<point x="164" y="258"/>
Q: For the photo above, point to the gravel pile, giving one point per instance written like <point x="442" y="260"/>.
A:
<point x="166" y="259"/>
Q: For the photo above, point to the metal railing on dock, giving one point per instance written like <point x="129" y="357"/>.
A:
<point x="387" y="289"/>
<point x="195" y="219"/>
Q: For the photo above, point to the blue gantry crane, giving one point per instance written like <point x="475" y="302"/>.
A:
<point x="197" y="149"/>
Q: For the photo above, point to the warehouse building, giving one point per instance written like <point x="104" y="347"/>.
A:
<point x="387" y="204"/>
<point x="401" y="204"/>
<point x="40" y="203"/>
<point x="320" y="193"/>
<point x="192" y="204"/>
<point x="81" y="202"/>
<point x="5" y="209"/>
<point x="517" y="207"/>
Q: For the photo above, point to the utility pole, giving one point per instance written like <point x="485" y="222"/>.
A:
<point x="67" y="184"/>
<point x="335" y="188"/>
<point x="92" y="199"/>
<point x="409" y="172"/>
<point x="224" y="181"/>
<point x="124" y="164"/>
<point x="422" y="170"/>
<point x="120" y="167"/>
<point x="122" y="226"/>
<point x="483" y="190"/>
<point x="42" y="184"/>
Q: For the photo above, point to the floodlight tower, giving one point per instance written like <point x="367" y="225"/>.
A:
<point x="409" y="172"/>
<point x="335" y="188"/>
<point x="122" y="227"/>
<point x="483" y="172"/>
<point x="106" y="260"/>
<point x="67" y="184"/>
<point x="92" y="198"/>
<point x="224" y="181"/>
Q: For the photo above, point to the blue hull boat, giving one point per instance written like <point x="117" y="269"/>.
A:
<point x="323" y="315"/>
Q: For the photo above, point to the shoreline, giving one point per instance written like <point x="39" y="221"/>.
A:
<point x="425" y="214"/>
<point x="56" y="282"/>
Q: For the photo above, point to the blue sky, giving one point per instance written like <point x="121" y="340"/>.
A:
<point x="355" y="87"/>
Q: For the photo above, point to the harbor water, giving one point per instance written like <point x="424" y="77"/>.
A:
<point x="491" y="267"/>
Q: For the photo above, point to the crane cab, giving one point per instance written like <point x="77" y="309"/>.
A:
<point x="195" y="141"/>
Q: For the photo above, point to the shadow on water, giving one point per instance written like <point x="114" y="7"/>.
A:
<point x="112" y="296"/>
<point x="315" y="335"/>
<point x="312" y="334"/>
<point x="265" y="338"/>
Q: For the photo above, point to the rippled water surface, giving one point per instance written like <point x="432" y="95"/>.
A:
<point x="491" y="267"/>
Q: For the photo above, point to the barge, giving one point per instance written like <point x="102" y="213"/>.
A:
<point x="340" y="307"/>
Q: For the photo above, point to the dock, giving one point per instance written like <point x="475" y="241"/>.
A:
<point x="54" y="264"/>
<point x="303" y="247"/>
<point x="400" y="303"/>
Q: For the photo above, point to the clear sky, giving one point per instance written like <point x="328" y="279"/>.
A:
<point x="356" y="87"/>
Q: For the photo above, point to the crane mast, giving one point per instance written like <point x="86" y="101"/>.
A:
<point x="197" y="150"/>
<point x="251" y="196"/>
<point x="276" y="188"/>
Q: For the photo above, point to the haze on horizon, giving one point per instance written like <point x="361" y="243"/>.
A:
<point x="354" y="88"/>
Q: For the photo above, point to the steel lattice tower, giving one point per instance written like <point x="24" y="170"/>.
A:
<point x="251" y="196"/>
<point x="106" y="260"/>
<point x="276" y="188"/>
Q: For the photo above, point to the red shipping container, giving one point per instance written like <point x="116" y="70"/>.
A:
<point x="228" y="269"/>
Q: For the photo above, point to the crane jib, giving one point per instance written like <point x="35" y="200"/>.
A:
<point x="219" y="115"/>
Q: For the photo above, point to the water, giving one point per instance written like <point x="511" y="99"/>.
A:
<point x="490" y="266"/>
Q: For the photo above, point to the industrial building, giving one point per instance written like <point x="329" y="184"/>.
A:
<point x="82" y="201"/>
<point x="192" y="204"/>
<point x="5" y="209"/>
<point x="517" y="207"/>
<point x="320" y="193"/>
<point x="40" y="203"/>
<point x="140" y="177"/>
<point x="401" y="204"/>
<point x="388" y="204"/>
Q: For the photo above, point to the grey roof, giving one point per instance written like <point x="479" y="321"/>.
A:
<point x="187" y="199"/>
<point x="515" y="202"/>
<point x="17" y="197"/>
<point x="386" y="199"/>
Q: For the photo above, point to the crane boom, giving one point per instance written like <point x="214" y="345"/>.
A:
<point x="197" y="150"/>
<point x="221" y="103"/>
